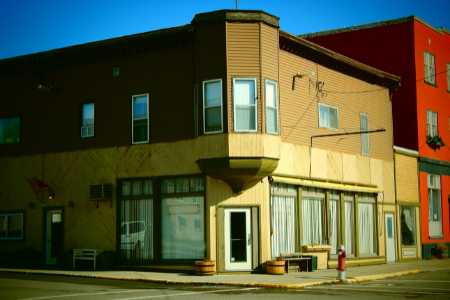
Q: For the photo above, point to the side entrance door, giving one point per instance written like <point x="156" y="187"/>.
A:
<point x="238" y="239"/>
<point x="54" y="235"/>
<point x="390" y="237"/>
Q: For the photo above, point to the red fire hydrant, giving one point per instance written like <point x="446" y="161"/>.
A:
<point x="341" y="264"/>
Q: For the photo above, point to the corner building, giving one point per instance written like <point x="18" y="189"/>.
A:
<point x="211" y="138"/>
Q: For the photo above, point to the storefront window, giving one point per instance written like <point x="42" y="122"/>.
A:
<point x="366" y="223"/>
<point x="408" y="225"/>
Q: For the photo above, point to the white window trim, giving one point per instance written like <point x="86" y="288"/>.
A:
<point x="22" y="229"/>
<point x="430" y="78"/>
<point x="276" y="108"/>
<point x="204" y="106"/>
<point x="337" y="116"/>
<point x="256" y="105"/>
<point x="132" y="119"/>
<point x="368" y="139"/>
<point x="436" y="186"/>
<point x="430" y="121"/>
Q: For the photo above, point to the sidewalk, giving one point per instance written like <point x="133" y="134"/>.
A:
<point x="292" y="280"/>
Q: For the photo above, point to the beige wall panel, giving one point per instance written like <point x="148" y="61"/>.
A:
<point x="175" y="158"/>
<point x="376" y="172"/>
<point x="349" y="167"/>
<point x="363" y="168"/>
<point x="243" y="60"/>
<point x="406" y="178"/>
<point x="319" y="166"/>
<point x="285" y="165"/>
<point x="271" y="146"/>
<point x="211" y="146"/>
<point x="96" y="228"/>
<point x="220" y="193"/>
<point x="334" y="168"/>
<point x="388" y="181"/>
<point x="299" y="108"/>
<point x="135" y="161"/>
<point x="301" y="160"/>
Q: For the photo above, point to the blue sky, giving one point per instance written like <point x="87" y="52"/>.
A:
<point x="33" y="26"/>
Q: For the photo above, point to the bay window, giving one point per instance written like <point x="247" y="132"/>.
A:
<point x="212" y="106"/>
<point x="245" y="110"/>
<point x="271" y="106"/>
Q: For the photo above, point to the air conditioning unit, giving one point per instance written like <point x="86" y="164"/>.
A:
<point x="101" y="192"/>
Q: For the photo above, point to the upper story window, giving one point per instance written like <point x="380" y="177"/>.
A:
<point x="245" y="112"/>
<point x="140" y="127"/>
<point x="212" y="106"/>
<point x="432" y="123"/>
<point x="10" y="130"/>
<point x="434" y="205"/>
<point x="11" y="226"/>
<point x="328" y="117"/>
<point x="87" y="120"/>
<point x="271" y="106"/>
<point x="365" y="147"/>
<point x="429" y="67"/>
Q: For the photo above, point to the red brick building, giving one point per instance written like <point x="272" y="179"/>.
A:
<point x="420" y="54"/>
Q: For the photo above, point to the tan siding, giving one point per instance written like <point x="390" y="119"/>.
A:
<point x="406" y="178"/>
<point x="243" y="60"/>
<point x="299" y="108"/>
<point x="219" y="193"/>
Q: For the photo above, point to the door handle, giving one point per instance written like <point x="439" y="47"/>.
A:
<point x="249" y="238"/>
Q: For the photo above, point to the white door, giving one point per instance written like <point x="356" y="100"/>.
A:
<point x="390" y="237"/>
<point x="54" y="233"/>
<point x="238" y="239"/>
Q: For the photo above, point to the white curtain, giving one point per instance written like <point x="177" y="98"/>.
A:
<point x="334" y="221"/>
<point x="283" y="222"/>
<point x="183" y="235"/>
<point x="348" y="211"/>
<point x="244" y="97"/>
<point x="366" y="227"/>
<point x="312" y="221"/>
<point x="136" y="229"/>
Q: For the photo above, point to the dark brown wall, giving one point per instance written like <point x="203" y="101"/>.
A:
<point x="51" y="122"/>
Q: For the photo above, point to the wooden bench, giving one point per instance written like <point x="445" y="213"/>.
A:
<point x="293" y="261"/>
<point x="86" y="254"/>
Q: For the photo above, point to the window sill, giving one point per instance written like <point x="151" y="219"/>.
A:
<point x="435" y="237"/>
<point x="430" y="83"/>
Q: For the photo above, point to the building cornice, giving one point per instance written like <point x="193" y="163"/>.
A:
<point x="440" y="30"/>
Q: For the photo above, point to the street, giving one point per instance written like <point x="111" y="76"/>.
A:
<point x="15" y="286"/>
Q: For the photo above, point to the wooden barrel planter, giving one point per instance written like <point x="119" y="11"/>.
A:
<point x="205" y="268"/>
<point x="275" y="267"/>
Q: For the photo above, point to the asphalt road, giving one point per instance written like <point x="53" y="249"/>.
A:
<point x="14" y="286"/>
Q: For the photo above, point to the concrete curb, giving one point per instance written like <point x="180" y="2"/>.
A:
<point x="356" y="279"/>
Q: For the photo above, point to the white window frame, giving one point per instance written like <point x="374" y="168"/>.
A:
<point x="430" y="70"/>
<point x="432" y="124"/>
<point x="132" y="119"/>
<point x="328" y="126"/>
<point x="364" y="134"/>
<point x="89" y="126"/>
<point x="7" y="215"/>
<point x="434" y="185"/>
<point x="267" y="81"/>
<point x="256" y="103"/>
<point x="204" y="106"/>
